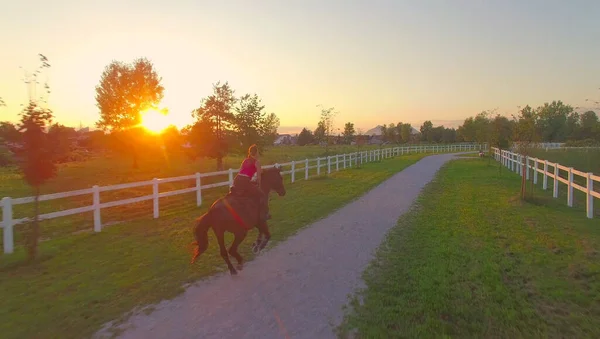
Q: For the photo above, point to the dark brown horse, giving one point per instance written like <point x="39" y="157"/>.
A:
<point x="237" y="214"/>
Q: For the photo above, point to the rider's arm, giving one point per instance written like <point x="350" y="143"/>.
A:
<point x="258" y="172"/>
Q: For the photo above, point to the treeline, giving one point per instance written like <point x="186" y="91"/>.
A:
<point x="550" y="122"/>
<point x="223" y="123"/>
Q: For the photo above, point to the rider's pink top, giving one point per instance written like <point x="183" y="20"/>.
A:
<point x="248" y="167"/>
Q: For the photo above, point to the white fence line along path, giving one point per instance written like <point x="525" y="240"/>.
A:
<point x="516" y="162"/>
<point x="329" y="163"/>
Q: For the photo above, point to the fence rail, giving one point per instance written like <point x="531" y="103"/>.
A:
<point x="339" y="161"/>
<point x="516" y="162"/>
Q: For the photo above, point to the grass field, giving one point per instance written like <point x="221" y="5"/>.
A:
<point x="472" y="261"/>
<point x="84" y="280"/>
<point x="586" y="160"/>
<point x="116" y="170"/>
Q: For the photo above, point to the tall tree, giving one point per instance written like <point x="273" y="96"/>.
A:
<point x="406" y="133"/>
<point x="590" y="127"/>
<point x="36" y="156"/>
<point x="390" y="133"/>
<point x="349" y="133"/>
<point x="552" y="121"/>
<point x="216" y="117"/>
<point x="126" y="90"/>
<point x="526" y="133"/>
<point x="252" y="124"/>
<point x="426" y="131"/>
<point x="327" y="121"/>
<point x="305" y="137"/>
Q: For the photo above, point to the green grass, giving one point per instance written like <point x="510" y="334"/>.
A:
<point x="112" y="170"/>
<point x="585" y="160"/>
<point x="470" y="260"/>
<point x="85" y="280"/>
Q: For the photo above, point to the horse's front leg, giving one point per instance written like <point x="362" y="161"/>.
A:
<point x="264" y="231"/>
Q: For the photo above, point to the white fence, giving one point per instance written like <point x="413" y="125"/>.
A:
<point x="515" y="162"/>
<point x="338" y="161"/>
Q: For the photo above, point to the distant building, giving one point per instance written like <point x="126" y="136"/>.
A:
<point x="285" y="139"/>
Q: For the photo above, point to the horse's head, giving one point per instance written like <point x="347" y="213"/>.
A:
<point x="273" y="180"/>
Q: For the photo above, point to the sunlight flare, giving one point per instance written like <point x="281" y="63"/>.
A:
<point x="155" y="121"/>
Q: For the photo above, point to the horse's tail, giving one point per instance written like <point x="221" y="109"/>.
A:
<point x="201" y="235"/>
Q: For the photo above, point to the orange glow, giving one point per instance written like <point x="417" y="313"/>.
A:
<point x="155" y="121"/>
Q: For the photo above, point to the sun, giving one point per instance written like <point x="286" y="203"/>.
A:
<point x="154" y="121"/>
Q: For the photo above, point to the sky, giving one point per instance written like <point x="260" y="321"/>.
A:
<point x="375" y="61"/>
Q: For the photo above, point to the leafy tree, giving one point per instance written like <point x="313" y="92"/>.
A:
<point x="526" y="133"/>
<point x="501" y="132"/>
<point x="390" y="133"/>
<point x="326" y="123"/>
<point x="124" y="91"/>
<point x="406" y="133"/>
<point x="320" y="134"/>
<point x="62" y="141"/>
<point x="9" y="132"/>
<point x="172" y="139"/>
<point x="590" y="126"/>
<point x="215" y="117"/>
<point x="252" y="124"/>
<point x="2" y="103"/>
<point x="426" y="131"/>
<point x="35" y="158"/>
<point x="552" y="121"/>
<point x="305" y="137"/>
<point x="349" y="132"/>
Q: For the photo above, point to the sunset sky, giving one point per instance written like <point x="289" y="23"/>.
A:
<point x="376" y="61"/>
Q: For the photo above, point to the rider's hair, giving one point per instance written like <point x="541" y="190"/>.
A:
<point x="253" y="150"/>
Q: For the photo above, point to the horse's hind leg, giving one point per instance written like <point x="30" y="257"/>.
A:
<point x="221" y="239"/>
<point x="233" y="249"/>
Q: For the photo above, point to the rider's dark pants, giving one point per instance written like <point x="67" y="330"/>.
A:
<point x="243" y="183"/>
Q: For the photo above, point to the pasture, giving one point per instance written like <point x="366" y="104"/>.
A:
<point x="114" y="169"/>
<point x="584" y="159"/>
<point x="87" y="279"/>
<point x="472" y="260"/>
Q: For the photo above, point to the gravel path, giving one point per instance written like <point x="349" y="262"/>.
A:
<point x="296" y="289"/>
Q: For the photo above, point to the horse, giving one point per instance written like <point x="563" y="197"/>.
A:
<point x="237" y="214"/>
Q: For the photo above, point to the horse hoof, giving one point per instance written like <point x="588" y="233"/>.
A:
<point x="233" y="272"/>
<point x="240" y="267"/>
<point x="255" y="249"/>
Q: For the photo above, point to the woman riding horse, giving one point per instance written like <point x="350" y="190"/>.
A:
<point x="242" y="181"/>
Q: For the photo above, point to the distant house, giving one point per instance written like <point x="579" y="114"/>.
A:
<point x="376" y="137"/>
<point x="284" y="139"/>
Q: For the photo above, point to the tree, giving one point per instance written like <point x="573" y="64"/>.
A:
<point x="124" y="91"/>
<point x="326" y="123"/>
<point x="252" y="124"/>
<point x="590" y="127"/>
<point x="501" y="132"/>
<point x="526" y="132"/>
<point x="216" y="118"/>
<point x="9" y="132"/>
<point x="426" y="131"/>
<point x="62" y="140"/>
<point x="36" y="159"/>
<point x="305" y="137"/>
<point x="406" y="133"/>
<point x="348" y="132"/>
<point x="552" y="121"/>
<point x="390" y="133"/>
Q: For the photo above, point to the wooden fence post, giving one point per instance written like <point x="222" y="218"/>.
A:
<point x="589" y="196"/>
<point x="7" y="220"/>
<point x="545" y="180"/>
<point x="306" y="169"/>
<point x="337" y="162"/>
<point x="198" y="190"/>
<point x="155" y="197"/>
<point x="328" y="164"/>
<point x="293" y="170"/>
<point x="570" y="188"/>
<point x="96" y="202"/>
<point x="318" y="166"/>
<point x="555" y="188"/>
<point x="535" y="171"/>
<point x="230" y="177"/>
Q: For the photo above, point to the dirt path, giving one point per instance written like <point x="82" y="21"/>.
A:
<point x="298" y="288"/>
